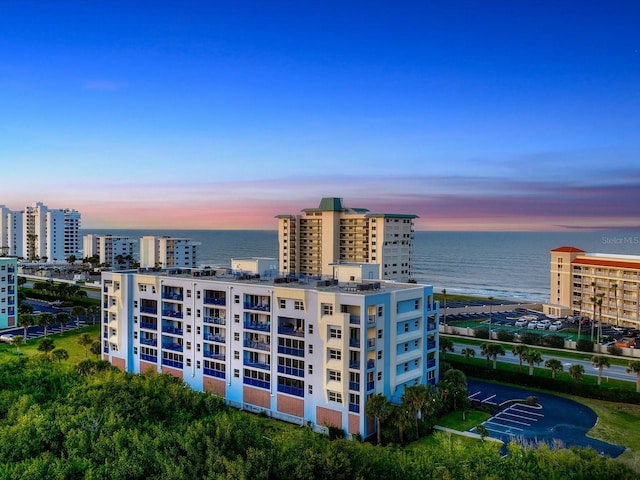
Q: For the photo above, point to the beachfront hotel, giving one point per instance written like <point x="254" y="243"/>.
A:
<point x="581" y="281"/>
<point x="38" y="233"/>
<point x="165" y="251"/>
<point x="114" y="250"/>
<point x="310" y="242"/>
<point x="8" y="292"/>
<point x="300" y="350"/>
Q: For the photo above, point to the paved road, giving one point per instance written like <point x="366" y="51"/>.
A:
<point x="615" y="371"/>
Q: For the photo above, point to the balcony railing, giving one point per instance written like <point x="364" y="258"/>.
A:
<point x="149" y="341"/>
<point x="213" y="373"/>
<point x="215" y="320"/>
<point x="146" y="310"/>
<point x="262" y="327"/>
<point x="105" y="334"/>
<point x="431" y="326"/>
<point x="296" y="352"/>
<point x="431" y="363"/>
<point x="354" y="386"/>
<point x="296" y="372"/>
<point x="149" y="326"/>
<point x="371" y="386"/>
<point x="172" y="313"/>
<point x="213" y="355"/>
<point x="256" y="383"/>
<point x="431" y="345"/>
<point x="354" y="407"/>
<point x="172" y="296"/>
<point x="371" y="319"/>
<point x="170" y="329"/>
<point x="354" y="364"/>
<point x="371" y="343"/>
<point x="105" y="349"/>
<point x="257" y="345"/>
<point x="260" y="365"/>
<point x="171" y="363"/>
<point x="176" y="347"/>
<point x="215" y="301"/>
<point x="298" y="392"/>
<point x="354" y="342"/>
<point x="371" y="364"/>
<point x="263" y="307"/>
<point x="354" y="319"/>
<point x="148" y="358"/>
<point x="214" y="338"/>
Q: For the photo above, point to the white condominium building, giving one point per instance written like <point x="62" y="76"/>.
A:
<point x="38" y="233"/>
<point x="165" y="252"/>
<point x="308" y="243"/>
<point x="595" y="284"/>
<point x="8" y="292"/>
<point x="113" y="250"/>
<point x="301" y="352"/>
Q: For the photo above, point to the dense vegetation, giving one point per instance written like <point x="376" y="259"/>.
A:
<point x="93" y="422"/>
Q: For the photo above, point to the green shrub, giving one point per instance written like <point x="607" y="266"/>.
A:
<point x="505" y="335"/>
<point x="555" y="341"/>
<point x="481" y="332"/>
<point x="614" y="350"/>
<point x="584" y="346"/>
<point x="530" y="338"/>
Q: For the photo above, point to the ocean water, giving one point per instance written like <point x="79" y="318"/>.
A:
<point x="499" y="264"/>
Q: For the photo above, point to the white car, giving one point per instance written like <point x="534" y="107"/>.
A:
<point x="532" y="325"/>
<point x="6" y="338"/>
<point x="521" y="323"/>
<point x="543" y="324"/>
<point x="555" y="327"/>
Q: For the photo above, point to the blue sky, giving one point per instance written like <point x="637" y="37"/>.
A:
<point x="475" y="115"/>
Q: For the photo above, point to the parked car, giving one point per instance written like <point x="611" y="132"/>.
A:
<point x="6" y="338"/>
<point x="532" y="325"/>
<point x="521" y="322"/>
<point x="555" y="326"/>
<point x="543" y="324"/>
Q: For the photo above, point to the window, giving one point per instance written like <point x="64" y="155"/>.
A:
<point x="188" y="328"/>
<point x="283" y="303"/>
<point x="236" y="373"/>
<point x="310" y="369"/>
<point x="380" y="333"/>
<point x="188" y="362"/>
<point x="379" y="354"/>
<point x="236" y="355"/>
<point x="188" y="311"/>
<point x="334" y="396"/>
<point x="335" y="375"/>
<point x="236" y="318"/>
<point x="298" y="305"/>
<point x="188" y="345"/>
<point x="335" y="354"/>
<point x="236" y="336"/>
<point x="327" y="309"/>
<point x="310" y="348"/>
<point x="135" y="335"/>
<point x="236" y="298"/>
<point x="335" y="332"/>
<point x="197" y="347"/>
<point x="197" y="330"/>
<point x="135" y="350"/>
<point x="406" y="347"/>
<point x="198" y="294"/>
<point x="380" y="311"/>
<point x="310" y="329"/>
<point x="417" y="304"/>
<point x="197" y="363"/>
<point x="406" y="327"/>
<point x="379" y="376"/>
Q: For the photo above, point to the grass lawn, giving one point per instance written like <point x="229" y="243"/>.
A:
<point x="455" y="421"/>
<point x="67" y="340"/>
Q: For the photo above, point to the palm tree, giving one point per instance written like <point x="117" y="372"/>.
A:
<point x="490" y="312"/>
<point x="92" y="311"/>
<point x="25" y="321"/>
<point x="492" y="350"/>
<point x="60" y="354"/>
<point x="402" y="418"/>
<point x="417" y="397"/>
<point x="46" y="345"/>
<point x="62" y="318"/>
<point x="468" y="352"/>
<point x="635" y="368"/>
<point x="379" y="408"/>
<point x="77" y="312"/>
<point x="445" y="345"/>
<point x="600" y="362"/>
<point x="519" y="351"/>
<point x="17" y="340"/>
<point x="554" y="365"/>
<point x="44" y="320"/>
<point x="614" y="287"/>
<point x="444" y="297"/>
<point x="599" y="303"/>
<point x="85" y="340"/>
<point x="576" y="372"/>
<point x="593" y="299"/>
<point x="532" y="357"/>
<point x="96" y="348"/>
<point x="456" y="383"/>
<point x="580" y="302"/>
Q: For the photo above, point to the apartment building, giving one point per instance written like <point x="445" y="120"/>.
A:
<point x="8" y="292"/>
<point x="301" y="352"/>
<point x="113" y="250"/>
<point x="166" y="252"/>
<point x="38" y="232"/>
<point x="310" y="242"/>
<point x="606" y="286"/>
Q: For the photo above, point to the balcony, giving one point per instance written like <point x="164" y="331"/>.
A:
<point x="149" y="326"/>
<point x="172" y="296"/>
<point x="371" y="343"/>
<point x="105" y="334"/>
<point x="291" y="331"/>
<point x="105" y="349"/>
<point x="354" y="342"/>
<point x="371" y="319"/>
<point x="257" y="345"/>
<point x="172" y="313"/>
<point x="176" y="347"/>
<point x="213" y="355"/>
<point x="354" y="319"/>
<point x="254" y="382"/>
<point x="371" y="364"/>
<point x="262" y="327"/>
<point x="354" y="386"/>
<point x="215" y="320"/>
<point x="298" y="392"/>
<point x="431" y="345"/>
<point x="152" y="310"/>
<point x="296" y="352"/>
<point x="371" y="386"/>
<point x="260" y="365"/>
<point x="354" y="364"/>
<point x="214" y="338"/>
<point x="172" y="330"/>
<point x="431" y="363"/>
<point x="148" y="358"/>
<point x="215" y="301"/>
<point x="213" y="373"/>
<point x="171" y="363"/>
<point x="262" y="307"/>
<point x="149" y="341"/>
<point x="354" y="407"/>
<point x="296" y="372"/>
<point x="431" y="326"/>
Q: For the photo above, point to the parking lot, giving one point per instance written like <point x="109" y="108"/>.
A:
<point x="553" y="419"/>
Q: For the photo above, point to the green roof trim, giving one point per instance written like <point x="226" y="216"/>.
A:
<point x="392" y="215"/>
<point x="331" y="204"/>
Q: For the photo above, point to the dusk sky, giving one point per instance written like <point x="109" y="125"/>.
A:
<point x="474" y="115"/>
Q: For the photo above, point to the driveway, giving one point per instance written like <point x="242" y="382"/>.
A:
<point x="553" y="419"/>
